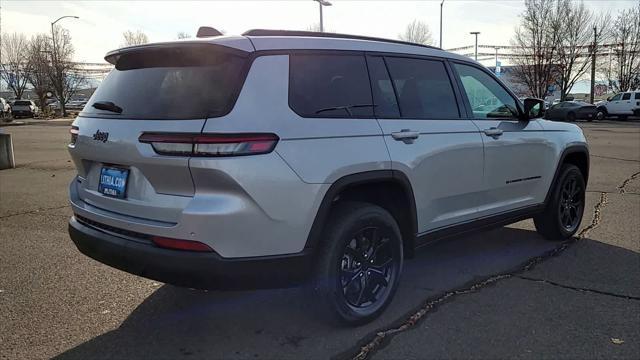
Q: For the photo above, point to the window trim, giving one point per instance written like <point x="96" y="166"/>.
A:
<point x="462" y="115"/>
<point x="466" y="101"/>
<point x="393" y="87"/>
<point x="328" y="52"/>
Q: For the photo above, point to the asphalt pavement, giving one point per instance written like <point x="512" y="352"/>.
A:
<point x="500" y="294"/>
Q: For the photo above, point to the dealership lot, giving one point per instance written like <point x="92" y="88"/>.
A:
<point x="465" y="297"/>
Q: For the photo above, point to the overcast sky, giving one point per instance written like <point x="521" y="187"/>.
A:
<point x="102" y="23"/>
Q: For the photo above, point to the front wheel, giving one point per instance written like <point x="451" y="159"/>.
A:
<point x="359" y="264"/>
<point x="563" y="214"/>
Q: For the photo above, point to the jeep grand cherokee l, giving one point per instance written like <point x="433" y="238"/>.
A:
<point x="276" y="158"/>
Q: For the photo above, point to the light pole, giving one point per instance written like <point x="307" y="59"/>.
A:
<point x="442" y="3"/>
<point x="476" y="34"/>
<point x="322" y="3"/>
<point x="54" y="56"/>
<point x="53" y="38"/>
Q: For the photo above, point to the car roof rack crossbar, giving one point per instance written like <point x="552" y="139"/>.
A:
<point x="267" y="32"/>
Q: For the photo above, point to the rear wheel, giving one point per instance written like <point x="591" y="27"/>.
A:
<point x="359" y="263"/>
<point x="563" y="214"/>
<point x="601" y="113"/>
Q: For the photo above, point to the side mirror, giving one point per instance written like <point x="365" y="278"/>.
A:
<point x="533" y="108"/>
<point x="608" y="98"/>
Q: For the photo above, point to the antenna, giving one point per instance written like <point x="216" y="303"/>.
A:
<point x="207" y="31"/>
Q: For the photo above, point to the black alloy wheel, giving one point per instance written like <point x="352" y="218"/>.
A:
<point x="571" y="204"/>
<point x="367" y="269"/>
<point x="359" y="263"/>
<point x="563" y="213"/>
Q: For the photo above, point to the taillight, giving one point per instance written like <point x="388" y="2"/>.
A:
<point x="210" y="144"/>
<point x="177" y="244"/>
<point x="74" y="131"/>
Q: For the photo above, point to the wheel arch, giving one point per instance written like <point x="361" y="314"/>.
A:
<point x="389" y="189"/>
<point x="577" y="155"/>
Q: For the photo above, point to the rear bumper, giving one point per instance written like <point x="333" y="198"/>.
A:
<point x="189" y="269"/>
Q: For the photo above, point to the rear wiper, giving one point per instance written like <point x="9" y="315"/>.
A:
<point x="346" y="108"/>
<point x="108" y="106"/>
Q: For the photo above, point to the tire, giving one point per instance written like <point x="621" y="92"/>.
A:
<point x="351" y="290"/>
<point x="563" y="214"/>
<point x="571" y="117"/>
<point x="622" y="117"/>
<point x="602" y="113"/>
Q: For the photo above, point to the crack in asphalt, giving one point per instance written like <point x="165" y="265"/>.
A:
<point x="626" y="182"/>
<point x="429" y="305"/>
<point x="553" y="283"/>
<point x="614" y="158"/>
<point x="33" y="211"/>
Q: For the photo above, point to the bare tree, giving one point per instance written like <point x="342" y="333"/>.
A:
<point x="134" y="38"/>
<point x="14" y="64"/>
<point x="65" y="79"/>
<point x="417" y="32"/>
<point x="626" y="54"/>
<point x="536" y="40"/>
<point x="39" y="56"/>
<point x="183" y="35"/>
<point x="576" y="47"/>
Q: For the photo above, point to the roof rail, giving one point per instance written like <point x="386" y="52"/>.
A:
<point x="267" y="32"/>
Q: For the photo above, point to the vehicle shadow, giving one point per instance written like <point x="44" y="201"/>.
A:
<point x="175" y="322"/>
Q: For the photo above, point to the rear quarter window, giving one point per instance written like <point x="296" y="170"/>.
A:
<point x="329" y="85"/>
<point x="178" y="82"/>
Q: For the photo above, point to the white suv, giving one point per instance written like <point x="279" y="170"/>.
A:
<point x="621" y="105"/>
<point x="276" y="157"/>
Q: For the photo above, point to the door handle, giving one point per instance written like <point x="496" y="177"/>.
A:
<point x="493" y="132"/>
<point x="405" y="135"/>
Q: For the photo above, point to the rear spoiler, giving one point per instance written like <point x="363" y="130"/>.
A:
<point x="231" y="45"/>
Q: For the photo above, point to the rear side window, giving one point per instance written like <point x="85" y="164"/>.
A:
<point x="423" y="88"/>
<point x="638" y="96"/>
<point x="181" y="82"/>
<point x="626" y="96"/>
<point x="328" y="85"/>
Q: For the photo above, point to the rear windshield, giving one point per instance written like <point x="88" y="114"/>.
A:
<point x="186" y="82"/>
<point x="22" y="102"/>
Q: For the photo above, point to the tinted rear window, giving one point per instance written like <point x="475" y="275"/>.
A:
<point x="22" y="102"/>
<point x="424" y="89"/>
<point x="186" y="82"/>
<point x="330" y="86"/>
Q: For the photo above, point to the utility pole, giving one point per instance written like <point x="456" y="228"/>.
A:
<point x="476" y="34"/>
<point x="442" y="3"/>
<point x="593" y="64"/>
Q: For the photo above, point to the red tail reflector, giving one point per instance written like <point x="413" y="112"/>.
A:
<point x="180" y="244"/>
<point x="210" y="144"/>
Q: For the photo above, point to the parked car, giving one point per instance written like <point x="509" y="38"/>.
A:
<point x="572" y="111"/>
<point x="620" y="105"/>
<point x="282" y="157"/>
<point x="76" y="104"/>
<point x="24" y="108"/>
<point x="5" y="108"/>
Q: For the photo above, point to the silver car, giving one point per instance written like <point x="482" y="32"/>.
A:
<point x="277" y="158"/>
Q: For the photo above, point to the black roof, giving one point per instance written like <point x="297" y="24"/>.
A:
<point x="267" y="32"/>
